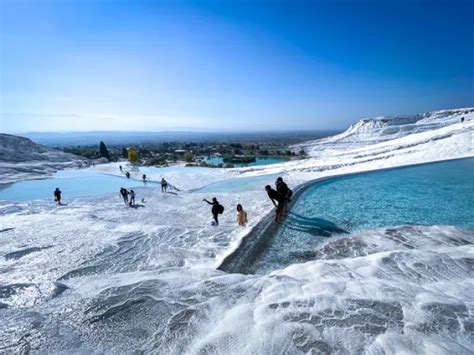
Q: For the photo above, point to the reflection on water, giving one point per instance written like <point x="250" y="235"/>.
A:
<point x="431" y="194"/>
<point x="258" y="161"/>
<point x="73" y="183"/>
<point x="241" y="184"/>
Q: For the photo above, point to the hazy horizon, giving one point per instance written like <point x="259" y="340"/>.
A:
<point x="61" y="139"/>
<point x="233" y="65"/>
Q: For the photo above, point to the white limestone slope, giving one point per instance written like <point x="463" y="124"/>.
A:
<point x="95" y="276"/>
<point x="23" y="159"/>
<point x="384" y="142"/>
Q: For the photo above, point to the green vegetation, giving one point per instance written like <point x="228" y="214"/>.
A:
<point x="188" y="157"/>
<point x="132" y="155"/>
<point x="163" y="153"/>
<point x="103" y="151"/>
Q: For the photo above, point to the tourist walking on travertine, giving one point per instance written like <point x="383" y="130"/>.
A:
<point x="57" y="196"/>
<point x="132" y="198"/>
<point x="164" y="185"/>
<point x="241" y="216"/>
<point x="124" y="194"/>
<point x="216" y="210"/>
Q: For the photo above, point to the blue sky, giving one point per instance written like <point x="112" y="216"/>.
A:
<point x="229" y="65"/>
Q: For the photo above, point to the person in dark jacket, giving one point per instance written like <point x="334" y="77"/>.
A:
<point x="57" y="196"/>
<point x="215" y="209"/>
<point x="164" y="185"/>
<point x="132" y="198"/>
<point x="124" y="194"/>
<point x="280" y="202"/>
<point x="283" y="188"/>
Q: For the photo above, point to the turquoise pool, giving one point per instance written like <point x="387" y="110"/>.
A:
<point x="431" y="194"/>
<point x="250" y="183"/>
<point x="258" y="161"/>
<point x="73" y="183"/>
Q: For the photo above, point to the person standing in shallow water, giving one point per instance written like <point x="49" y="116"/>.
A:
<point x="241" y="216"/>
<point x="57" y="196"/>
<point x="283" y="189"/>
<point x="276" y="196"/>
<point x="216" y="209"/>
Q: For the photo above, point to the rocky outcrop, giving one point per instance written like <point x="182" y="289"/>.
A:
<point x="23" y="159"/>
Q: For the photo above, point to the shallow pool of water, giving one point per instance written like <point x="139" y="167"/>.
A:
<point x="430" y="194"/>
<point x="73" y="183"/>
<point x="250" y="183"/>
<point x="258" y="161"/>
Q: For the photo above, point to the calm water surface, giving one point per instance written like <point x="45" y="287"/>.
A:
<point x="73" y="183"/>
<point x="430" y="194"/>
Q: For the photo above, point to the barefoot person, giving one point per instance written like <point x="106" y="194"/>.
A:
<point x="241" y="216"/>
<point x="57" y="196"/>
<point x="132" y="198"/>
<point x="124" y="194"/>
<point x="280" y="201"/>
<point x="216" y="209"/>
<point x="164" y="185"/>
<point x="283" y="189"/>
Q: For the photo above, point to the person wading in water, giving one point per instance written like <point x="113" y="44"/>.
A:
<point x="57" y="196"/>
<point x="280" y="201"/>
<point x="241" y="216"/>
<point x="283" y="189"/>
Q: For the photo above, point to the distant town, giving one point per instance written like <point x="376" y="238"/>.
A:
<point x="220" y="153"/>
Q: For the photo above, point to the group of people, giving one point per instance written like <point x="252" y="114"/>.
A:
<point x="128" y="196"/>
<point x="280" y="197"/>
<point x="127" y="173"/>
